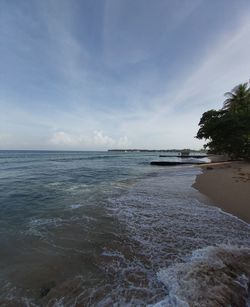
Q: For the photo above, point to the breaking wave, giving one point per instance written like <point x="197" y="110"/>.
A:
<point x="212" y="276"/>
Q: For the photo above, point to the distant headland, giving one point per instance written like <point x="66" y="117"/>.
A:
<point x="157" y="150"/>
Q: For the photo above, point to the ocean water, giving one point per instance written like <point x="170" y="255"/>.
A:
<point x="108" y="229"/>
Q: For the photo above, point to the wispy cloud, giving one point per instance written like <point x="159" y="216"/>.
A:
<point x="84" y="75"/>
<point x="131" y="28"/>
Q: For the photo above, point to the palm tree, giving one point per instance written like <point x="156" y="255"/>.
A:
<point x="238" y="99"/>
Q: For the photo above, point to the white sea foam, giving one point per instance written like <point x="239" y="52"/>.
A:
<point x="69" y="187"/>
<point x="11" y="296"/>
<point x="153" y="226"/>
<point x="169" y="220"/>
<point x="213" y="276"/>
<point x="77" y="188"/>
<point x="39" y="226"/>
<point x="76" y="206"/>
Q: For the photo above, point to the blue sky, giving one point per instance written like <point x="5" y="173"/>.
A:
<point x="99" y="74"/>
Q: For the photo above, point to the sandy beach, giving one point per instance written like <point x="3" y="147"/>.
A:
<point x="227" y="184"/>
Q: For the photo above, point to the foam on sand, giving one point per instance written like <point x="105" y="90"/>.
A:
<point x="212" y="276"/>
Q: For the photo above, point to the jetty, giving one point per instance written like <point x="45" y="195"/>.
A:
<point x="185" y="153"/>
<point x="181" y="156"/>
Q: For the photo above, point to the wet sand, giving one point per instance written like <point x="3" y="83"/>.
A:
<point x="227" y="184"/>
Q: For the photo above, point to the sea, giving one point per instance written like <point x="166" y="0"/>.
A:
<point x="109" y="229"/>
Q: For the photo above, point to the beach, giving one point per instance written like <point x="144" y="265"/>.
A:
<point x="227" y="184"/>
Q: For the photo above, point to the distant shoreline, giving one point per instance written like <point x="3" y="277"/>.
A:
<point x="227" y="184"/>
<point x="154" y="150"/>
<point x="101" y="150"/>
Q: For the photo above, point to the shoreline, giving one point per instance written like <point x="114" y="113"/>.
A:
<point x="227" y="184"/>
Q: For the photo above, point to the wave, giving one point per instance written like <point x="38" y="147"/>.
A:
<point x="212" y="276"/>
<point x="10" y="295"/>
<point x="110" y="243"/>
<point x="70" y="159"/>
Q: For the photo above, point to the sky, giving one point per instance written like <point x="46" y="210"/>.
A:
<point x="100" y="74"/>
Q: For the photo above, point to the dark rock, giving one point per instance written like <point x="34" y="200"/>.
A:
<point x="173" y="163"/>
<point x="45" y="289"/>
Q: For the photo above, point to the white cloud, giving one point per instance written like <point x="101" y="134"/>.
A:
<point x="99" y="139"/>
<point x="96" y="140"/>
<point x="63" y="138"/>
<point x="123" y="142"/>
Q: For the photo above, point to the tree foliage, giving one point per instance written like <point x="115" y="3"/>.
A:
<point x="228" y="129"/>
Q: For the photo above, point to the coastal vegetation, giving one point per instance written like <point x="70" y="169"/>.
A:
<point x="227" y="130"/>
